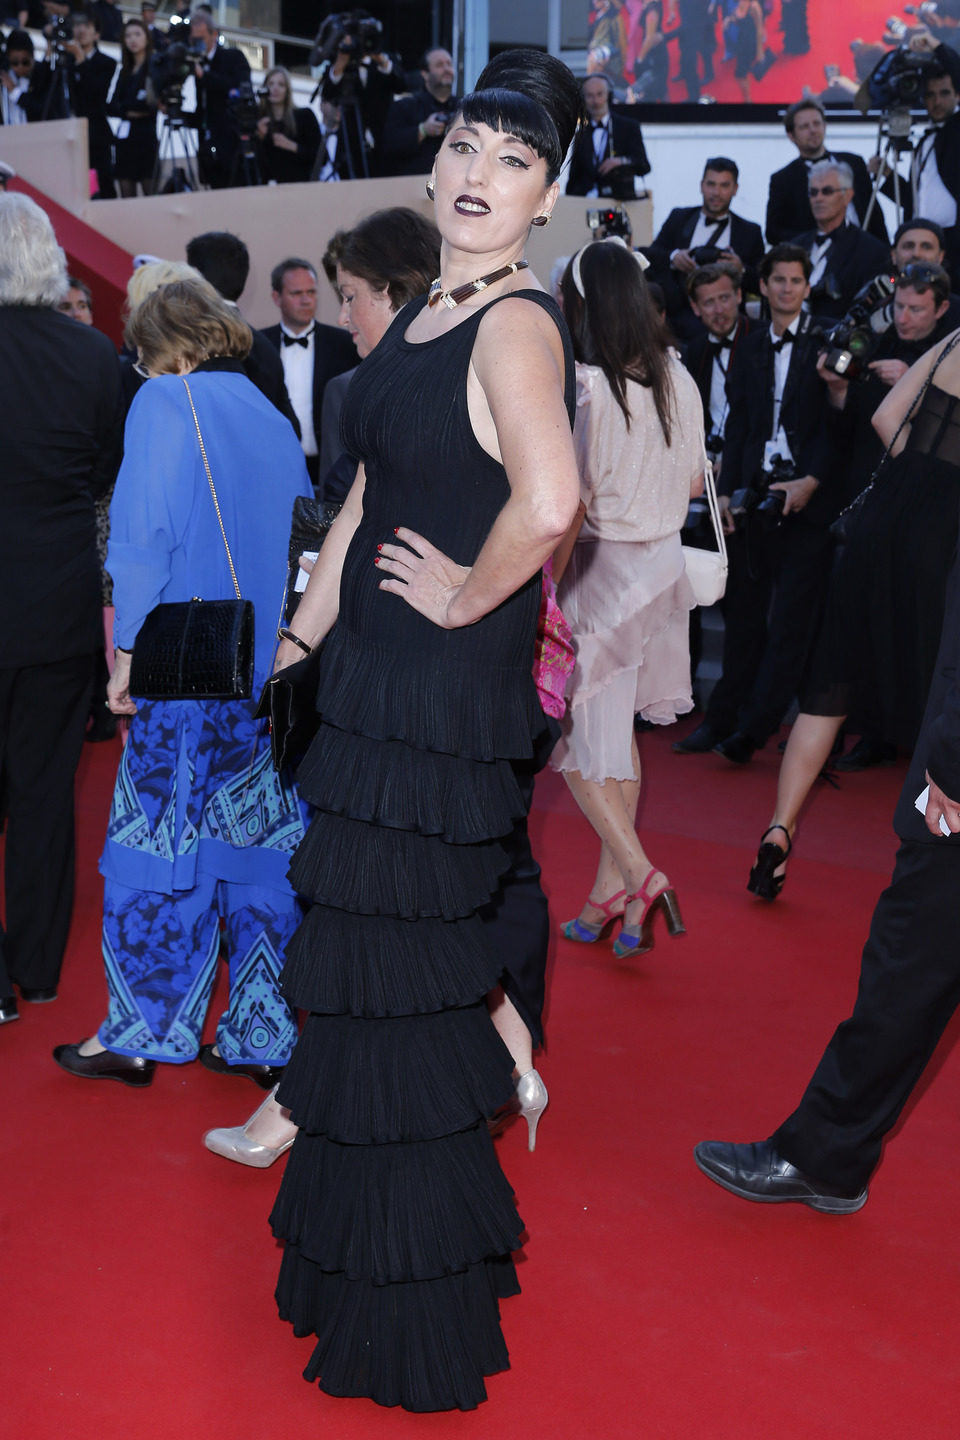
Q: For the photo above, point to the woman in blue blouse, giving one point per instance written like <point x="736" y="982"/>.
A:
<point x="201" y="826"/>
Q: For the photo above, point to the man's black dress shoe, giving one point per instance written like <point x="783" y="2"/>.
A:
<point x="866" y="753"/>
<point x="266" y="1076"/>
<point x="8" y="1009"/>
<point x="128" y="1069"/>
<point x="737" y="747"/>
<point x="39" y="996"/>
<point x="757" y="1172"/>
<point x="699" y="742"/>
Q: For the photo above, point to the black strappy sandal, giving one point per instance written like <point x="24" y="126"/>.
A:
<point x="763" y="882"/>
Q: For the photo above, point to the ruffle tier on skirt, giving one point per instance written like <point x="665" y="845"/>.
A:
<point x="397" y="1219"/>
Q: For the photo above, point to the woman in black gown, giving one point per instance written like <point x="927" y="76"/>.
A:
<point x="881" y="630"/>
<point x="288" y="136"/>
<point x="134" y="104"/>
<point x="397" y="1220"/>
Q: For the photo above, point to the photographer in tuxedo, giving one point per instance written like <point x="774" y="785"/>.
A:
<point x="218" y="69"/>
<point x="698" y="235"/>
<point x="89" y="75"/>
<point x="715" y="299"/>
<point x="843" y="258"/>
<point x="933" y="184"/>
<point x="63" y="418"/>
<point x="788" y="204"/>
<point x="777" y="512"/>
<point x="608" y="152"/>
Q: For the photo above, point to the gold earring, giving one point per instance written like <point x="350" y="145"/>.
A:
<point x="431" y="190"/>
<point x="542" y="219"/>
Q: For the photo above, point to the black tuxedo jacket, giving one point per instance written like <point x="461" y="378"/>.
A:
<point x="699" y="361"/>
<point x="404" y="153"/>
<point x="218" y="138"/>
<point x="333" y="352"/>
<point x="627" y="139"/>
<point x="788" y="205"/>
<point x="746" y="239"/>
<point x="805" y="415"/>
<point x="264" y="367"/>
<point x="854" y="258"/>
<point x="946" y="148"/>
<point x="62" y="433"/>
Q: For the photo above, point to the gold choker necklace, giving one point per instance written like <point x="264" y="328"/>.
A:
<point x="452" y="298"/>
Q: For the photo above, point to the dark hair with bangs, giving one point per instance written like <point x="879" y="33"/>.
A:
<point x="614" y="325"/>
<point x="520" y="79"/>
<point x="511" y="113"/>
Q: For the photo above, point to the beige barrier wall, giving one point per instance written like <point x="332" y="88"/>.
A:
<point x="53" y="158"/>
<point x="279" y="220"/>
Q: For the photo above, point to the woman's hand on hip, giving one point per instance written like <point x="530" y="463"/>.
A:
<point x="426" y="578"/>
<point x="118" y="686"/>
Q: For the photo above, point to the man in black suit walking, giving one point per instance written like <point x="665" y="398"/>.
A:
<point x="608" y="152"/>
<point x="825" y="1153"/>
<point x="843" y="257"/>
<point x="311" y="354"/>
<point x="778" y="572"/>
<point x="788" y="204"/>
<point x="697" y="235"/>
<point x="63" y="418"/>
<point x="218" y="71"/>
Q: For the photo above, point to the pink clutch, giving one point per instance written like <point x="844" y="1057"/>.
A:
<point x="554" y="658"/>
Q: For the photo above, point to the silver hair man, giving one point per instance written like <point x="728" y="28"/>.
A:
<point x="840" y="168"/>
<point x="33" y="268"/>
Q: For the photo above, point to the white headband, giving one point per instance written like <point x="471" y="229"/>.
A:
<point x="641" y="260"/>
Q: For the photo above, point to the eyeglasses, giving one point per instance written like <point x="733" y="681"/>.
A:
<point x="825" y="189"/>
<point x="141" y="370"/>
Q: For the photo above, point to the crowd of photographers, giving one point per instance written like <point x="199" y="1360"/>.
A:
<point x="374" y="118"/>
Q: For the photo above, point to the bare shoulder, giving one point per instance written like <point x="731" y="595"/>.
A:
<point x="517" y="331"/>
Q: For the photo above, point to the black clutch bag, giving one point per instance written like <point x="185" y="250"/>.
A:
<point x="289" y="702"/>
<point x="196" y="649"/>
<point x="308" y="529"/>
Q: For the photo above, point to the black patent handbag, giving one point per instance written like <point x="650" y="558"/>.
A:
<point x="196" y="649"/>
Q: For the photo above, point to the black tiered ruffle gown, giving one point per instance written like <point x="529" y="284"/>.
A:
<point x="397" y="1218"/>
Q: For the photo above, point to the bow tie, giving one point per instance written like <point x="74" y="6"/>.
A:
<point x="787" y="338"/>
<point x="822" y="239"/>
<point x="599" y="124"/>
<point x="722" y="343"/>
<point x="303" y="340"/>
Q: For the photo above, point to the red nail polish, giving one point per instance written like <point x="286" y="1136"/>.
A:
<point x="377" y="560"/>
<point x="396" y="529"/>
<point x="379" y="547"/>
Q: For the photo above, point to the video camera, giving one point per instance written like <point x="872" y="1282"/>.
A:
<point x="899" y="78"/>
<point x="758" y="499"/>
<point x="611" y="222"/>
<point x="59" y="36"/>
<point x="244" y="109"/>
<point x="352" y="32"/>
<point x="170" y="68"/>
<point x="853" y="341"/>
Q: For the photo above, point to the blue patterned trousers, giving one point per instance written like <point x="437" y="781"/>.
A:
<point x="161" y="953"/>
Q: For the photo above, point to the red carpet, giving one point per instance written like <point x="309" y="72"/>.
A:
<point x="138" y="1269"/>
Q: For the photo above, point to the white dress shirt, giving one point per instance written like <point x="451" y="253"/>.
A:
<point x="298" y="374"/>
<point x="781" y="366"/>
<point x="719" y="404"/>
<point x="931" y="198"/>
<point x="329" y="141"/>
<point x="705" y="232"/>
<point x="13" y="111"/>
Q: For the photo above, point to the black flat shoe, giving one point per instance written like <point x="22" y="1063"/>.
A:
<point x="699" y="742"/>
<point x="38" y="997"/>
<point x="128" y="1069"/>
<point x="865" y="754"/>
<point x="737" y="748"/>
<point x="266" y="1076"/>
<point x="763" y="881"/>
<point x="8" y="1009"/>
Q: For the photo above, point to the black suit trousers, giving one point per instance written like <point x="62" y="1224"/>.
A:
<point x="909" y="989"/>
<point x="771" y="611"/>
<point x="43" y="715"/>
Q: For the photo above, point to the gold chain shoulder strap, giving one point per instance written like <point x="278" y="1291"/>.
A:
<point x="216" y="502"/>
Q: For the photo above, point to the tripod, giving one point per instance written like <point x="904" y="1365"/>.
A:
<point x="245" y="169"/>
<point x="175" y="150"/>
<point x="893" y="140"/>
<point x="58" y="103"/>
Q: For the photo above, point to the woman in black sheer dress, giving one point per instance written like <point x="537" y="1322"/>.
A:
<point x="881" y="630"/>
<point x="397" y="1221"/>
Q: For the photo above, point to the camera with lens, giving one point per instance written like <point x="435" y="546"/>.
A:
<point x="759" y="500"/>
<point x="60" y="34"/>
<point x="609" y="222"/>
<point x="900" y="77"/>
<point x="169" y="70"/>
<point x="243" y="109"/>
<point x="353" y="32"/>
<point x="852" y="343"/>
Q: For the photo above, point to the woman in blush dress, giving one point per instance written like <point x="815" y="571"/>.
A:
<point x="640" y="445"/>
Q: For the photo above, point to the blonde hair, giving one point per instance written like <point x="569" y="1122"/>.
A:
<point x="185" y="323"/>
<point x="148" y="278"/>
<point x="287" y="119"/>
